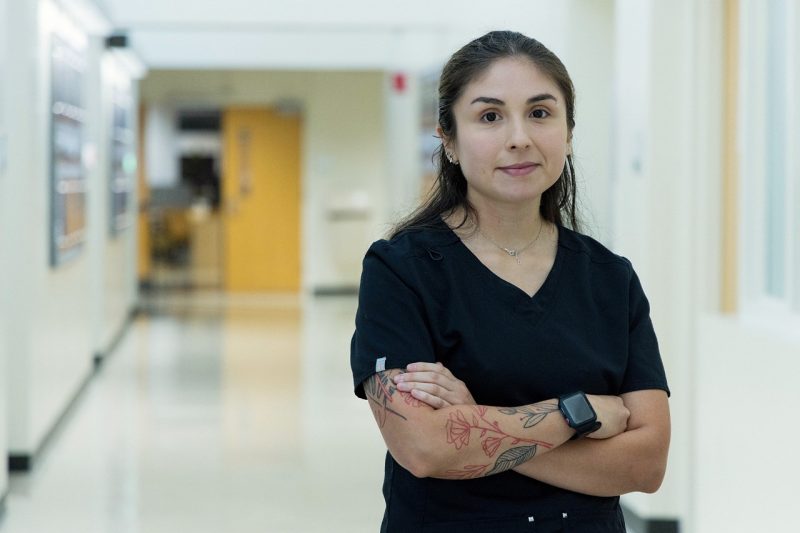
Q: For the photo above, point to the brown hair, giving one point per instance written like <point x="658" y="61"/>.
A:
<point x="450" y="189"/>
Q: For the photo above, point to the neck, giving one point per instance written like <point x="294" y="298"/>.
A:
<point x="511" y="225"/>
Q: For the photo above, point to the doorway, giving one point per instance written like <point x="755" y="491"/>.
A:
<point x="261" y="199"/>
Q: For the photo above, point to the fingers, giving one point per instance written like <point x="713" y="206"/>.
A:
<point x="426" y="377"/>
<point x="435" y="381"/>
<point x="438" y="368"/>
<point x="429" y="389"/>
<point x="434" y="401"/>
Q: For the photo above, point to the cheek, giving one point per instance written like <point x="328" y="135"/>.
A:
<point x="476" y="152"/>
<point x="557" y="146"/>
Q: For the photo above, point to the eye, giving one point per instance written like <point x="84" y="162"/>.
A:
<point x="540" y="113"/>
<point x="491" y="116"/>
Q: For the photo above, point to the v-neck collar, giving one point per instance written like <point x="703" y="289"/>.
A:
<point x="506" y="289"/>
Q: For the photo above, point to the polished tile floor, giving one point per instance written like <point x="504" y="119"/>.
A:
<point x="215" y="413"/>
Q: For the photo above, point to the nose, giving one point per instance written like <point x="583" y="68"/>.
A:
<point x="518" y="136"/>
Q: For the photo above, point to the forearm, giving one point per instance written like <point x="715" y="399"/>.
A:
<point x="477" y="440"/>
<point x="632" y="459"/>
<point x="462" y="442"/>
<point x="629" y="462"/>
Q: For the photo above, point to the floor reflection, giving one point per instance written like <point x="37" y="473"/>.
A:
<point x="216" y="412"/>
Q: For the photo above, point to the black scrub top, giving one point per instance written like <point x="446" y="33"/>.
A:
<point x="425" y="297"/>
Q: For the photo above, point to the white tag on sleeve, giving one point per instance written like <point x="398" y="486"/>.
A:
<point x="380" y="364"/>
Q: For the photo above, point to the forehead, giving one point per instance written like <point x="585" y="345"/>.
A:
<point x="509" y="78"/>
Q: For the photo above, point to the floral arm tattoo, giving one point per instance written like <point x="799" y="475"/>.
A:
<point x="460" y="429"/>
<point x="465" y="424"/>
<point x="380" y="391"/>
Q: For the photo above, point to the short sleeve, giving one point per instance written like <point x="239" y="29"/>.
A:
<point x="391" y="328"/>
<point x="644" y="370"/>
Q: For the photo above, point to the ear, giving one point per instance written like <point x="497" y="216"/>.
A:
<point x="448" y="145"/>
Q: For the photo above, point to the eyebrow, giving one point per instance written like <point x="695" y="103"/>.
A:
<point x="497" y="101"/>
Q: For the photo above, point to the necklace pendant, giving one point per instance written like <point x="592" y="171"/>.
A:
<point x="513" y="253"/>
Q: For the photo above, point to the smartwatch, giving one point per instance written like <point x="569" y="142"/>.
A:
<point x="579" y="414"/>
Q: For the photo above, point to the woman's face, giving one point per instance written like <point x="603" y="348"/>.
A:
<point x="511" y="133"/>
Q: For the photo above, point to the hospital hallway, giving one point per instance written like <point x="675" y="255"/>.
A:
<point x="214" y="413"/>
<point x="188" y="191"/>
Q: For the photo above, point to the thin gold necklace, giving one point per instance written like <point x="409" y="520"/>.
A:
<point x="513" y="252"/>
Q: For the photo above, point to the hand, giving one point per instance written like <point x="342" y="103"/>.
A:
<point x="613" y="414"/>
<point x="434" y="385"/>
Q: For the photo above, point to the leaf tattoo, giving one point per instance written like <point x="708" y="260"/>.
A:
<point x="511" y="458"/>
<point x="533" y="414"/>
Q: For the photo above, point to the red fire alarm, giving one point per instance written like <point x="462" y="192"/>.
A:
<point x="399" y="82"/>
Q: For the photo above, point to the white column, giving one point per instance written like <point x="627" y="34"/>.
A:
<point x="22" y="180"/>
<point x="132" y="251"/>
<point x="589" y="58"/>
<point x="665" y="175"/>
<point x="4" y="249"/>
<point x="402" y="129"/>
<point x="402" y="142"/>
<point x="97" y="197"/>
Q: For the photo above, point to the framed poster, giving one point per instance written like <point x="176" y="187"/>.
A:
<point x="67" y="174"/>
<point x="123" y="160"/>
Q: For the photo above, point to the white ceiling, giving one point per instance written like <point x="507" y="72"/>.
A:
<point x="314" y="34"/>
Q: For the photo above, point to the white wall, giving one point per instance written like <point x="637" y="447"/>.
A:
<point x="666" y="175"/>
<point x="161" y="146"/>
<point x="747" y="464"/>
<point x="50" y="310"/>
<point x="112" y="257"/>
<point x="4" y="193"/>
<point x="652" y="219"/>
<point x="589" y="56"/>
<point x="342" y="151"/>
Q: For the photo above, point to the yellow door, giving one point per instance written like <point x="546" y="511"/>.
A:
<point x="261" y="195"/>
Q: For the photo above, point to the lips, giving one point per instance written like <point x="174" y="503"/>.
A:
<point x="519" y="165"/>
<point x="519" y="169"/>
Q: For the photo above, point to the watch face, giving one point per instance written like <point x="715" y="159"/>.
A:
<point x="579" y="408"/>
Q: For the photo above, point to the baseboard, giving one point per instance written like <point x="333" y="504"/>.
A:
<point x="3" y="507"/>
<point x="19" y="462"/>
<point x="26" y="462"/>
<point x="336" y="290"/>
<point x="99" y="357"/>
<point x="638" y="524"/>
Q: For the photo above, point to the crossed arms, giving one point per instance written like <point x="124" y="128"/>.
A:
<point x="462" y="441"/>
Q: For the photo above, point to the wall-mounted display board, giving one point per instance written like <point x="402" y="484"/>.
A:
<point x="123" y="160"/>
<point x="68" y="176"/>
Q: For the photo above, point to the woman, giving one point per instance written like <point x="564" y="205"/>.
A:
<point x="490" y="338"/>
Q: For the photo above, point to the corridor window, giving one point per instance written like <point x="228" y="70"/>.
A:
<point x="776" y="168"/>
<point x="768" y="138"/>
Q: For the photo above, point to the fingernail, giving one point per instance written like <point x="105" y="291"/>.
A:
<point x="398" y="378"/>
<point x="411" y="367"/>
<point x="404" y="386"/>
